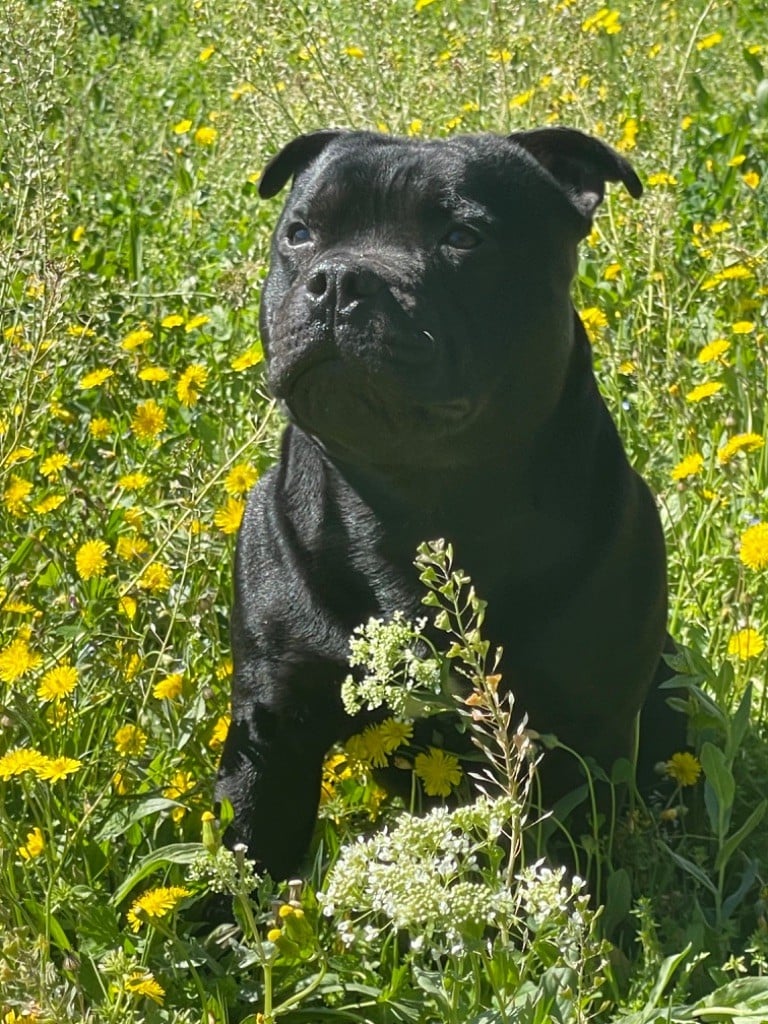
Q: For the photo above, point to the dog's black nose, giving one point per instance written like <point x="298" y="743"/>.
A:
<point x="342" y="285"/>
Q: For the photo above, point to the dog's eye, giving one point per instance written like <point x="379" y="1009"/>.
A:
<point x="462" y="237"/>
<point x="298" y="234"/>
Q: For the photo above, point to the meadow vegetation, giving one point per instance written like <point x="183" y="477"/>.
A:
<point x="134" y="420"/>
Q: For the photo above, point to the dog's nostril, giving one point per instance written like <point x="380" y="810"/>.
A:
<point x="358" y="284"/>
<point x="317" y="284"/>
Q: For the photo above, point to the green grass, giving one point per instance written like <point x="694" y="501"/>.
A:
<point x="116" y="214"/>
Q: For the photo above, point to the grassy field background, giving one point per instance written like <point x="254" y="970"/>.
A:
<point x="133" y="421"/>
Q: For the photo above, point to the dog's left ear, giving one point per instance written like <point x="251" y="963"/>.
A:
<point x="292" y="158"/>
<point x="581" y="164"/>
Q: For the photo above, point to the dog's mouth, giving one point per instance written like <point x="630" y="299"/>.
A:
<point x="351" y="409"/>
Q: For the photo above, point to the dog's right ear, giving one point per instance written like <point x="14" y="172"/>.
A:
<point x="293" y="158"/>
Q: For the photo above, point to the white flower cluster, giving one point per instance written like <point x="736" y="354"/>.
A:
<point x="556" y="906"/>
<point x="425" y="875"/>
<point x="223" y="871"/>
<point x="395" y="671"/>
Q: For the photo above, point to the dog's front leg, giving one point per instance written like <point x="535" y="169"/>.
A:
<point x="270" y="772"/>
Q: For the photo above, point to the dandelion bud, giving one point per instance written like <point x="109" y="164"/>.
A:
<point x="211" y="837"/>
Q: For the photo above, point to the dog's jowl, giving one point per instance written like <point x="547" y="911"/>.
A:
<point x="438" y="382"/>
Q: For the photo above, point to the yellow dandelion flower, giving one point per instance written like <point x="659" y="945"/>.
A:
<point x="627" y="368"/>
<point x="354" y="51"/>
<point x="241" y="90"/>
<point x="206" y="54"/>
<point x="18" y="762"/>
<point x="170" y="687"/>
<point x="751" y="179"/>
<point x="375" y="753"/>
<point x="661" y="179"/>
<point x="99" y="428"/>
<point x="130" y="741"/>
<point x="612" y="271"/>
<point x="240" y="479"/>
<point x="438" y="770"/>
<point x="16" y="495"/>
<point x="595" y="322"/>
<point x="134" y="518"/>
<point x="143" y="983"/>
<point x="707" y="42"/>
<point x="335" y="770"/>
<point x="128" y="547"/>
<point x="605" y="20"/>
<point x="394" y="733"/>
<point x="14" y="333"/>
<point x="171" y="321"/>
<point x="714" y="350"/>
<point x="251" y="357"/>
<point x="179" y="784"/>
<point x="128" y="606"/>
<point x="689" y="466"/>
<point x="743" y="327"/>
<point x="79" y="331"/>
<point x="703" y="391"/>
<point x="753" y="551"/>
<point x="148" y="420"/>
<point x="739" y="443"/>
<point x="181" y="127"/>
<point x="191" y="383"/>
<point x="58" y="682"/>
<point x="21" y="454"/>
<point x="421" y="4"/>
<point x="33" y="846"/>
<point x="357" y="753"/>
<point x="50" y="504"/>
<point x="133" y="481"/>
<point x="154" y="374"/>
<point x="91" y="559"/>
<point x="154" y="904"/>
<point x="219" y="731"/>
<point x="736" y="272"/>
<point x="684" y="768"/>
<point x="229" y="517"/>
<point x="136" y="338"/>
<point x="17" y="659"/>
<point x="197" y="321"/>
<point x="521" y="99"/>
<point x="133" y="666"/>
<point x="53" y="465"/>
<point x="205" y="135"/>
<point x="156" y="578"/>
<point x="95" y="378"/>
<point x="55" y="768"/>
<point x="225" y="669"/>
<point x="121" y="784"/>
<point x="746" y="644"/>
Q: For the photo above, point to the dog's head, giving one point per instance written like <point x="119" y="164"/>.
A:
<point x="419" y="290"/>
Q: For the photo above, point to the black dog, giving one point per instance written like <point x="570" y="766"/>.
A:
<point x="420" y="334"/>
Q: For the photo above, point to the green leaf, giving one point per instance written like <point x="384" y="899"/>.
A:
<point x="739" y="723"/>
<point x="733" y="842"/>
<point x="720" y="786"/>
<point x="666" y="973"/>
<point x="117" y="824"/>
<point x="618" y="900"/>
<point x="176" y="853"/>
<point x="692" y="869"/>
